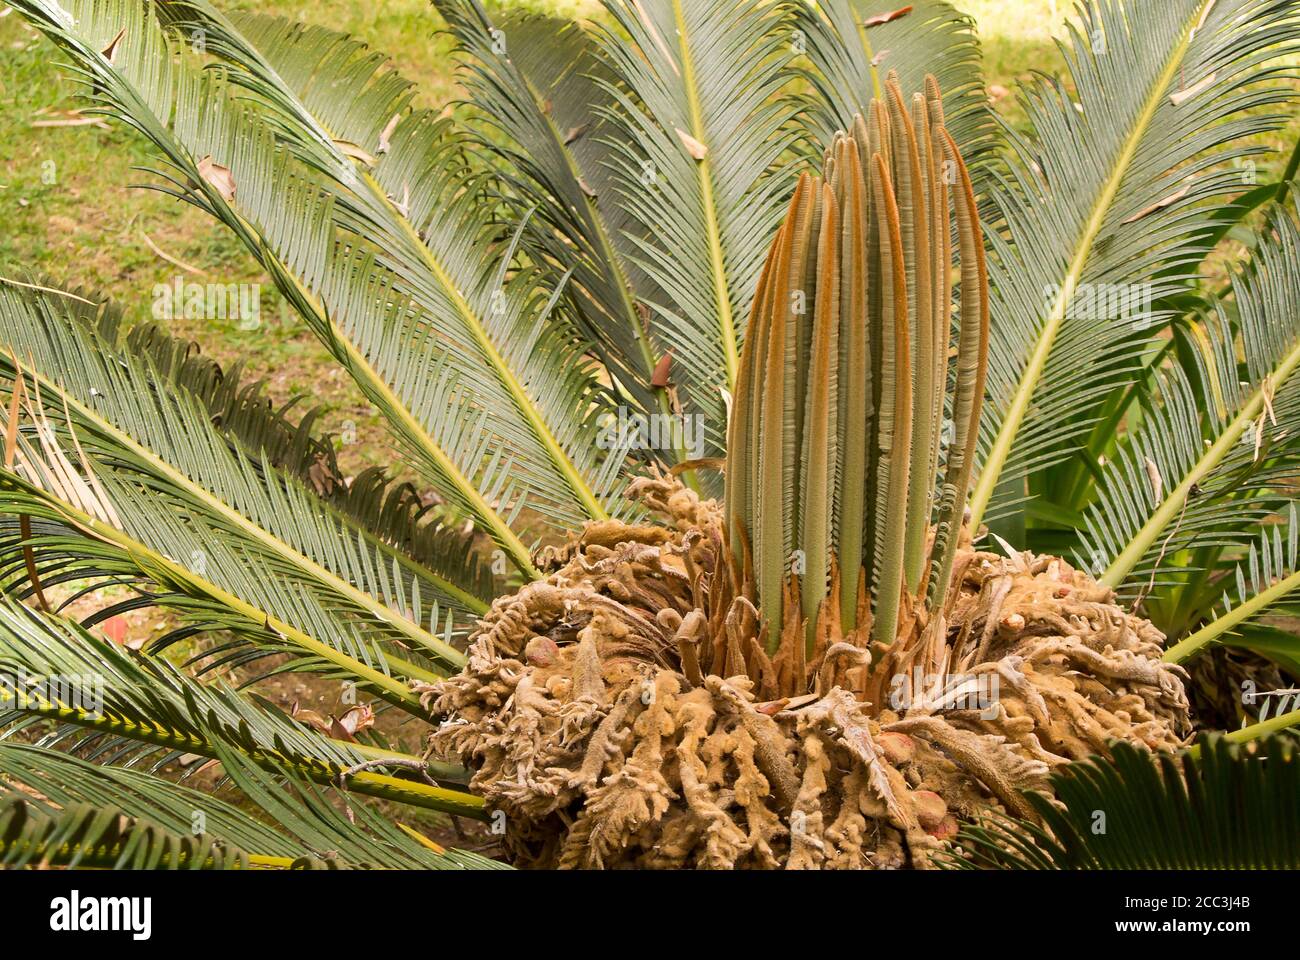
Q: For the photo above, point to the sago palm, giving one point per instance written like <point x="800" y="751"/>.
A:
<point x="723" y="332"/>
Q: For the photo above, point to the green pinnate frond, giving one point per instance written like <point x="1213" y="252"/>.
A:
<point x="1216" y="806"/>
<point x="535" y="84"/>
<point x="162" y="475"/>
<point x="70" y="813"/>
<point x="57" y="671"/>
<point x="1260" y="586"/>
<point x="700" y="143"/>
<point x="853" y="45"/>
<point x="1126" y="161"/>
<point x="1215" y="448"/>
<point x="430" y="341"/>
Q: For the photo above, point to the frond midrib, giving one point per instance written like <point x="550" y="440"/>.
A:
<point x="392" y="687"/>
<point x="363" y="781"/>
<point x="505" y="375"/>
<point x="713" y="232"/>
<point x="1173" y="504"/>
<point x="256" y="532"/>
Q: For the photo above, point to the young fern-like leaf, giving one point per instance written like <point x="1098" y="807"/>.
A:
<point x="835" y="433"/>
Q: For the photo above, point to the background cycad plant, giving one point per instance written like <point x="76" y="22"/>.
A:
<point x="583" y="238"/>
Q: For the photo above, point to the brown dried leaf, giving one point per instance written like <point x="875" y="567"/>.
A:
<point x="358" y="718"/>
<point x="1159" y="205"/>
<point x="11" y="426"/>
<point x="883" y="18"/>
<point x="660" y="376"/>
<point x="385" y="138"/>
<point x="110" y="51"/>
<point x="356" y="152"/>
<point x="115" y="630"/>
<point x="310" y="718"/>
<point x="404" y="205"/>
<point x="696" y="149"/>
<point x="1153" y="477"/>
<point x="1184" y="95"/>
<point x="69" y="118"/>
<point x="322" y="480"/>
<point x="219" y="177"/>
<point x="575" y="133"/>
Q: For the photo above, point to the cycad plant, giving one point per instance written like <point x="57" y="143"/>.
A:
<point x="702" y="586"/>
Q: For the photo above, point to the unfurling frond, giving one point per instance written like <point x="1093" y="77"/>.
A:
<point x="836" y="439"/>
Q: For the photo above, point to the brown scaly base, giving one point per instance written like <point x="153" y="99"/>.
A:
<point x="622" y="712"/>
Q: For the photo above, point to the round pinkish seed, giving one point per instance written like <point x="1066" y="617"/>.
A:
<point x="897" y="747"/>
<point x="930" y="808"/>
<point x="541" y="651"/>
<point x="946" y="829"/>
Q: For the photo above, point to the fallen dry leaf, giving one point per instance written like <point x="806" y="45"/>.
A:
<point x="660" y="376"/>
<point x="356" y="152"/>
<point x="1184" y="95"/>
<point x="309" y="718"/>
<point x="187" y="267"/>
<point x="1158" y="205"/>
<point x="68" y="118"/>
<point x="115" y="630"/>
<point x="110" y="51"/>
<point x="358" y="718"/>
<point x="696" y="149"/>
<point x="322" y="480"/>
<point x="882" y="18"/>
<point x="404" y="205"/>
<point x="219" y="177"/>
<point x="386" y="136"/>
<point x="1154" y="478"/>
